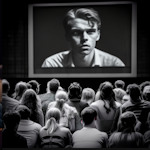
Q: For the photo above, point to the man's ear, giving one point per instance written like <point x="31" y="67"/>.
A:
<point x="98" y="35"/>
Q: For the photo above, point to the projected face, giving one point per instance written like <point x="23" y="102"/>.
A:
<point x="82" y="36"/>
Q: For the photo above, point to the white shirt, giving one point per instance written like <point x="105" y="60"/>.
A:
<point x="101" y="59"/>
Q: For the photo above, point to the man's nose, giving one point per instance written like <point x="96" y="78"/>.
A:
<point x="84" y="36"/>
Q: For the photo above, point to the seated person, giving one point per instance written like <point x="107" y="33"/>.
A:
<point x="89" y="136"/>
<point x="126" y="136"/>
<point x="53" y="135"/>
<point x="11" y="139"/>
<point x="27" y="128"/>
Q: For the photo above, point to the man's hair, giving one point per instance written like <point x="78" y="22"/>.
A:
<point x="53" y="85"/>
<point x="5" y="86"/>
<point x="88" y="114"/>
<point x="127" y="121"/>
<point x="119" y="84"/>
<point x="74" y="90"/>
<point x="24" y="111"/>
<point x="34" y="85"/>
<point x="11" y="119"/>
<point x="134" y="91"/>
<point x="88" y="14"/>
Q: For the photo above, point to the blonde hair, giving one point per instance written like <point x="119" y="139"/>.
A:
<point x="52" y="118"/>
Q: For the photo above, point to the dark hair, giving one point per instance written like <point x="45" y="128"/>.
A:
<point x="127" y="122"/>
<point x="134" y="91"/>
<point x="34" y="85"/>
<point x="119" y="84"/>
<point x="74" y="90"/>
<point x="84" y="13"/>
<point x="53" y="85"/>
<point x="88" y="114"/>
<point x="5" y="86"/>
<point x="11" y="119"/>
<point x="24" y="111"/>
<point x="106" y="92"/>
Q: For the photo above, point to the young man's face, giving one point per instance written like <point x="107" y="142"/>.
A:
<point x="82" y="36"/>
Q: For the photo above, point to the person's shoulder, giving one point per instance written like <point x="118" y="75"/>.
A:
<point x="108" y="59"/>
<point x="56" y="60"/>
<point x="64" y="129"/>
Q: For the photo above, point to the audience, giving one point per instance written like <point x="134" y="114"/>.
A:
<point x="69" y="115"/>
<point x="27" y="128"/>
<point x="11" y="139"/>
<point x="89" y="136"/>
<point x="8" y="103"/>
<point x="106" y="107"/>
<point x="32" y="101"/>
<point x="52" y="87"/>
<point x="140" y="107"/>
<point x="113" y="117"/>
<point x="126" y="136"/>
<point x="74" y="94"/>
<point x="53" y="135"/>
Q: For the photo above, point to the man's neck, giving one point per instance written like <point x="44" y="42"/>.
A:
<point x="92" y="125"/>
<point x="83" y="60"/>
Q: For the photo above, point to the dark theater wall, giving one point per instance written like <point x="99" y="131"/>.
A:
<point x="15" y="38"/>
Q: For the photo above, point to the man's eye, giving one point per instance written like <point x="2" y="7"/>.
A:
<point x="91" y="31"/>
<point x="76" y="33"/>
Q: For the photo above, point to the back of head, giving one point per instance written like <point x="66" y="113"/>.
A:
<point x="88" y="114"/>
<point x="119" y="93"/>
<point x="29" y="99"/>
<point x="134" y="91"/>
<point x="53" y="113"/>
<point x="53" y="85"/>
<point x="24" y="111"/>
<point x="88" y="93"/>
<point x="106" y="90"/>
<point x="5" y="86"/>
<point x="74" y="90"/>
<point x="119" y="84"/>
<point x="20" y="88"/>
<point x="127" y="122"/>
<point x="11" y="119"/>
<point x="146" y="93"/>
<point x="34" y="85"/>
<point x="88" y="14"/>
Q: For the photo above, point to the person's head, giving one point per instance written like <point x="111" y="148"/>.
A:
<point x="127" y="122"/>
<point x="61" y="97"/>
<point x="146" y="93"/>
<point x="74" y="91"/>
<point x="30" y="99"/>
<point x="53" y="113"/>
<point x="119" y="93"/>
<point x="106" y="90"/>
<point x="24" y="111"/>
<point x="134" y="91"/>
<point x="20" y="88"/>
<point x="52" y="120"/>
<point x="125" y="98"/>
<point x="5" y="86"/>
<point x="11" y="120"/>
<point x="120" y="84"/>
<point x="143" y="84"/>
<point x="82" y="27"/>
<point x="88" y="115"/>
<point x="88" y="95"/>
<point x="53" y="85"/>
<point x="35" y="85"/>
